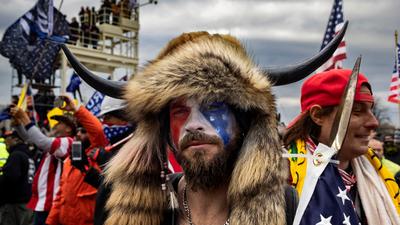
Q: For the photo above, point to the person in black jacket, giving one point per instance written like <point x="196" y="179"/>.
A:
<point x="15" y="182"/>
<point x="74" y="30"/>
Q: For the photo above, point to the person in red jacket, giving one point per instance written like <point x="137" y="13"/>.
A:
<point x="75" y="202"/>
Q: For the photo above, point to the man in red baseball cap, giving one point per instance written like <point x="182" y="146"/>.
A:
<point x="321" y="95"/>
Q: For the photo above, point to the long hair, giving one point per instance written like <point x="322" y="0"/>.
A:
<point x="306" y="127"/>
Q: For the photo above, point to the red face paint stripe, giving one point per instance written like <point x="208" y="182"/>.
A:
<point x="177" y="117"/>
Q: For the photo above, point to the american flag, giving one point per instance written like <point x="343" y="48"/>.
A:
<point x="335" y="24"/>
<point x="394" y="85"/>
<point x="329" y="202"/>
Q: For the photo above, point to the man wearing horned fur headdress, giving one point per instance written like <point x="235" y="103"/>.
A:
<point x="205" y="100"/>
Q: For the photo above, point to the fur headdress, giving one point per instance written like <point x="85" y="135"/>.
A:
<point x="209" y="68"/>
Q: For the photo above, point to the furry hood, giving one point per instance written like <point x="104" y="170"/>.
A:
<point x="210" y="68"/>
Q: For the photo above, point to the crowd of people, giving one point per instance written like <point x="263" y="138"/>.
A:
<point x="204" y="104"/>
<point x="59" y="189"/>
<point x="87" y="31"/>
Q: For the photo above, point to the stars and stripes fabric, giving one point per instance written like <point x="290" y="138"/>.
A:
<point x="32" y="42"/>
<point x="394" y="95"/>
<point x="335" y="24"/>
<point x="112" y="131"/>
<point x="325" y="200"/>
<point x="46" y="181"/>
<point x="330" y="203"/>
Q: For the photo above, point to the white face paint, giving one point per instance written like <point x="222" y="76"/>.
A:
<point x="215" y="119"/>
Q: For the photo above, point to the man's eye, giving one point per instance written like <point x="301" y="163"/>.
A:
<point x="179" y="111"/>
<point x="357" y="108"/>
<point x="213" y="107"/>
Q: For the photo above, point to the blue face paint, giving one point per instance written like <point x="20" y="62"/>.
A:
<point x="218" y="114"/>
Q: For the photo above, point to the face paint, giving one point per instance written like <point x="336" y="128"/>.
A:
<point x="218" y="114"/>
<point x="213" y="119"/>
<point x="178" y="115"/>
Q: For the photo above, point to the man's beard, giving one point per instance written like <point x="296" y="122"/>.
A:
<point x="204" y="174"/>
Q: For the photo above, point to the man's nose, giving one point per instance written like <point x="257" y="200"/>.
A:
<point x="195" y="122"/>
<point x="372" y="122"/>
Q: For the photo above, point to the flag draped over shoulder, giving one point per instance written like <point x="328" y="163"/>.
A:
<point x="329" y="203"/>
<point x="31" y="42"/>
<point x="335" y="24"/>
<point x="324" y="201"/>
<point x="394" y="95"/>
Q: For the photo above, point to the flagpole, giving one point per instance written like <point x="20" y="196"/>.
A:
<point x="397" y="65"/>
<point x="61" y="3"/>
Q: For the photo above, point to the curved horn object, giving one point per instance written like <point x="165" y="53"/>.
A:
<point x="109" y="87"/>
<point x="290" y="74"/>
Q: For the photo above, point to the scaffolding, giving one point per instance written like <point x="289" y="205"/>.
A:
<point x="105" y="40"/>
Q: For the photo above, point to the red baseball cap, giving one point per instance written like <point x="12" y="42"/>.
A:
<point x="326" y="89"/>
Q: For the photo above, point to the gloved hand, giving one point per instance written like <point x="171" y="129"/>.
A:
<point x="82" y="165"/>
<point x="99" y="155"/>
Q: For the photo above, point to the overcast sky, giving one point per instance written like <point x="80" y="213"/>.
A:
<point x="275" y="32"/>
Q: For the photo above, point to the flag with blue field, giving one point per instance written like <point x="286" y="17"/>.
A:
<point x="32" y="42"/>
<point x="329" y="203"/>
